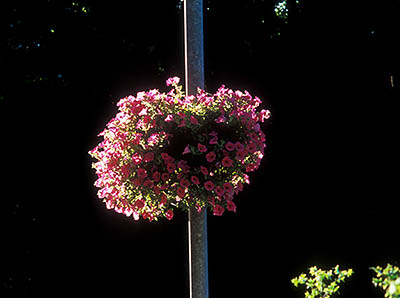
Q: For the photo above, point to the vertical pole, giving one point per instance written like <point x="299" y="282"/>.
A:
<point x="194" y="77"/>
<point x="194" y="53"/>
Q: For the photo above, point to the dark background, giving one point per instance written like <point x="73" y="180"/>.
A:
<point x="325" y="193"/>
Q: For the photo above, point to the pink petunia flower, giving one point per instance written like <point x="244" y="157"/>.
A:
<point x="169" y="118"/>
<point x="251" y="147"/>
<point x="118" y="209"/>
<point x="128" y="211"/>
<point x="193" y="120"/>
<point x="228" y="188"/>
<point x="173" y="81"/>
<point x="227" y="162"/>
<point x="139" y="204"/>
<point x="142" y="173"/>
<point x="171" y="167"/>
<point x="231" y="206"/>
<point x="239" y="146"/>
<point x="220" y="119"/>
<point x="187" y="150"/>
<point x="210" y="156"/>
<point x="230" y="146"/>
<point x="184" y="183"/>
<point x="163" y="200"/>
<point x="137" y="158"/>
<point x="240" y="155"/>
<point x="156" y="176"/>
<point x="182" y="123"/>
<point x="214" y="140"/>
<point x="164" y="177"/>
<point x="149" y="156"/>
<point x="239" y="187"/>
<point x="264" y="114"/>
<point x="201" y="147"/>
<point x="195" y="180"/>
<point x="135" y="215"/>
<point x="211" y="201"/>
<point x="204" y="170"/>
<point x="164" y="156"/>
<point x="219" y="191"/>
<point x="169" y="214"/>
<point x="218" y="210"/>
<point x="181" y="192"/>
<point x="148" y="183"/>
<point x="208" y="185"/>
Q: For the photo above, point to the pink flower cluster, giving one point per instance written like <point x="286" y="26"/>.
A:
<point x="168" y="151"/>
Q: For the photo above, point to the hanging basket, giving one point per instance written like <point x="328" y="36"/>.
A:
<point x="167" y="151"/>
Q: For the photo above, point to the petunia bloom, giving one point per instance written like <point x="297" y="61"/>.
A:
<point x="218" y="210"/>
<point x="227" y="162"/>
<point x="201" y="148"/>
<point x="210" y="156"/>
<point x="208" y="185"/>
<point x="230" y="146"/>
<point x="169" y="214"/>
<point x="231" y="206"/>
<point x="195" y="180"/>
<point x="193" y="120"/>
<point x="173" y="81"/>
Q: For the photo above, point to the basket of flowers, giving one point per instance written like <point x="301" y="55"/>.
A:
<point x="169" y="151"/>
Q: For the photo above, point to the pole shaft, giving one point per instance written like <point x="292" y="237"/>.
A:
<point x="194" y="53"/>
<point x="194" y="77"/>
<point x="198" y="255"/>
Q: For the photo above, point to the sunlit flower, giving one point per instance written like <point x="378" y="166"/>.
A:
<point x="169" y="214"/>
<point x="173" y="81"/>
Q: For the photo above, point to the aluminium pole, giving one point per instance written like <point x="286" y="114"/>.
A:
<point x="194" y="77"/>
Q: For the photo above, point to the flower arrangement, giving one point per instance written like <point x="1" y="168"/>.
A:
<point x="168" y="151"/>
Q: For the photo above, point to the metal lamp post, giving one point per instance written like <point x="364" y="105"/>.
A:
<point x="194" y="77"/>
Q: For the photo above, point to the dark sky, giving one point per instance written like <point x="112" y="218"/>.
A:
<point x="325" y="193"/>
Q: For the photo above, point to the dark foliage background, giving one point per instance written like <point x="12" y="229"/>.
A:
<point x="325" y="194"/>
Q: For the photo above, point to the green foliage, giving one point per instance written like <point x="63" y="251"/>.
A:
<point x="388" y="279"/>
<point x="281" y="10"/>
<point x="320" y="283"/>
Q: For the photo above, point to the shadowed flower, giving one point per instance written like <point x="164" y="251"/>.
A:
<point x="195" y="180"/>
<point x="210" y="156"/>
<point x="227" y="162"/>
<point x="218" y="210"/>
<point x="209" y="185"/>
<point x="201" y="148"/>
<point x="231" y="206"/>
<point x="230" y="146"/>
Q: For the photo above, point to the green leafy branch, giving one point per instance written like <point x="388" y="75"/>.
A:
<point x="388" y="279"/>
<point x="321" y="283"/>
